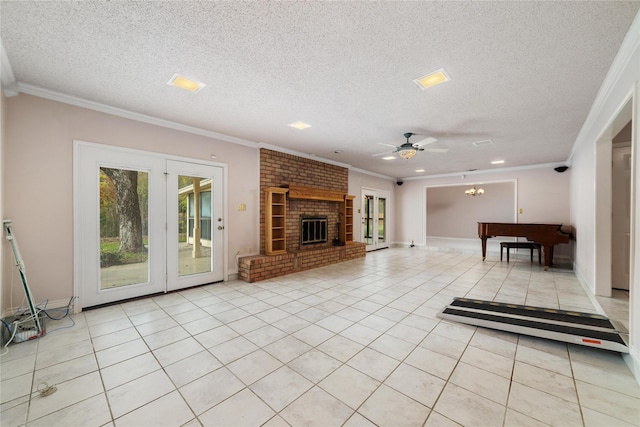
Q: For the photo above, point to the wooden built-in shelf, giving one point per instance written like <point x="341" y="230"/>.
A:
<point x="347" y="234"/>
<point x="275" y="221"/>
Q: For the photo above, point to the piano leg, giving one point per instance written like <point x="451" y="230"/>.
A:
<point x="484" y="248"/>
<point x="548" y="256"/>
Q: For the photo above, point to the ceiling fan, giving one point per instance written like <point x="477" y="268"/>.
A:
<point x="408" y="149"/>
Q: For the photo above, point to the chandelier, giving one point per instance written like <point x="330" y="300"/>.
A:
<point x="407" y="153"/>
<point x="474" y="191"/>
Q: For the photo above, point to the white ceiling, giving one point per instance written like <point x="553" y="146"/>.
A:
<point x="524" y="74"/>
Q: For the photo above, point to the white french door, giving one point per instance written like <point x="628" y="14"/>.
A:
<point x="375" y="219"/>
<point x="143" y="224"/>
<point x="194" y="224"/>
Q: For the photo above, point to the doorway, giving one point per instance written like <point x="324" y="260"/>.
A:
<point x="375" y="219"/>
<point x="144" y="224"/>
<point x="621" y="214"/>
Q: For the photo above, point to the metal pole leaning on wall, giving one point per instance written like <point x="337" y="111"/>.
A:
<point x="8" y="227"/>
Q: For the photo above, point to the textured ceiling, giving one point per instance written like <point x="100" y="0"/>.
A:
<point x="524" y="74"/>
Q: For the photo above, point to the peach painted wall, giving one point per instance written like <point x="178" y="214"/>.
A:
<point x="38" y="185"/>
<point x="451" y="213"/>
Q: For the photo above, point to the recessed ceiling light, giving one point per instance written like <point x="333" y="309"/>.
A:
<point x="185" y="83"/>
<point x="432" y="79"/>
<point x="497" y="162"/>
<point x="419" y="170"/>
<point x="299" y="125"/>
<point x="483" y="142"/>
<point x="389" y="158"/>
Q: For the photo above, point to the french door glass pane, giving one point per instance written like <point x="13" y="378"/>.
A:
<point x="124" y="218"/>
<point x="368" y="220"/>
<point x="382" y="233"/>
<point x="194" y="225"/>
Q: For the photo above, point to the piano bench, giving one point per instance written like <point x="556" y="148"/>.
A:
<point x="521" y="245"/>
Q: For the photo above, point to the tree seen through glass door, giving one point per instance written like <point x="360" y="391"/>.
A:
<point x="124" y="258"/>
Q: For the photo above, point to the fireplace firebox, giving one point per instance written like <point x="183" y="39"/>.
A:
<point x="313" y="229"/>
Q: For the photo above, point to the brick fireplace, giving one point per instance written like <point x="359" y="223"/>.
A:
<point x="285" y="170"/>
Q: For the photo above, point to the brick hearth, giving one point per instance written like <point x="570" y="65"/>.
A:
<point x="260" y="267"/>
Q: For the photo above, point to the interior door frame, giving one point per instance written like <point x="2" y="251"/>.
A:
<point x="78" y="234"/>
<point x="621" y="216"/>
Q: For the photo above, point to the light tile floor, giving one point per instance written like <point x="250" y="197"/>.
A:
<point x="353" y="344"/>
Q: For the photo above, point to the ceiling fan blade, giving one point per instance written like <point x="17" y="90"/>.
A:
<point x="382" y="154"/>
<point x="388" y="145"/>
<point x="435" y="150"/>
<point x="425" y="141"/>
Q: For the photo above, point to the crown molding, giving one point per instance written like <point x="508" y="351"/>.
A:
<point x="8" y="79"/>
<point x="377" y="175"/>
<point x="96" y="106"/>
<point x="486" y="171"/>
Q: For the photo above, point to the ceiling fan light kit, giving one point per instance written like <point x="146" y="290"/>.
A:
<point x="407" y="153"/>
<point x="408" y="149"/>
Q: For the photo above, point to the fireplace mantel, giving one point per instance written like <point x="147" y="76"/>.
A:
<point x="311" y="193"/>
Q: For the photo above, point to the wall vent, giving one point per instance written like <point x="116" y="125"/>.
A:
<point x="484" y="142"/>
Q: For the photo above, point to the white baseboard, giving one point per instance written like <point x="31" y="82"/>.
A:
<point x="632" y="359"/>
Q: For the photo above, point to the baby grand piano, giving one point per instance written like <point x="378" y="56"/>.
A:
<point x="546" y="235"/>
